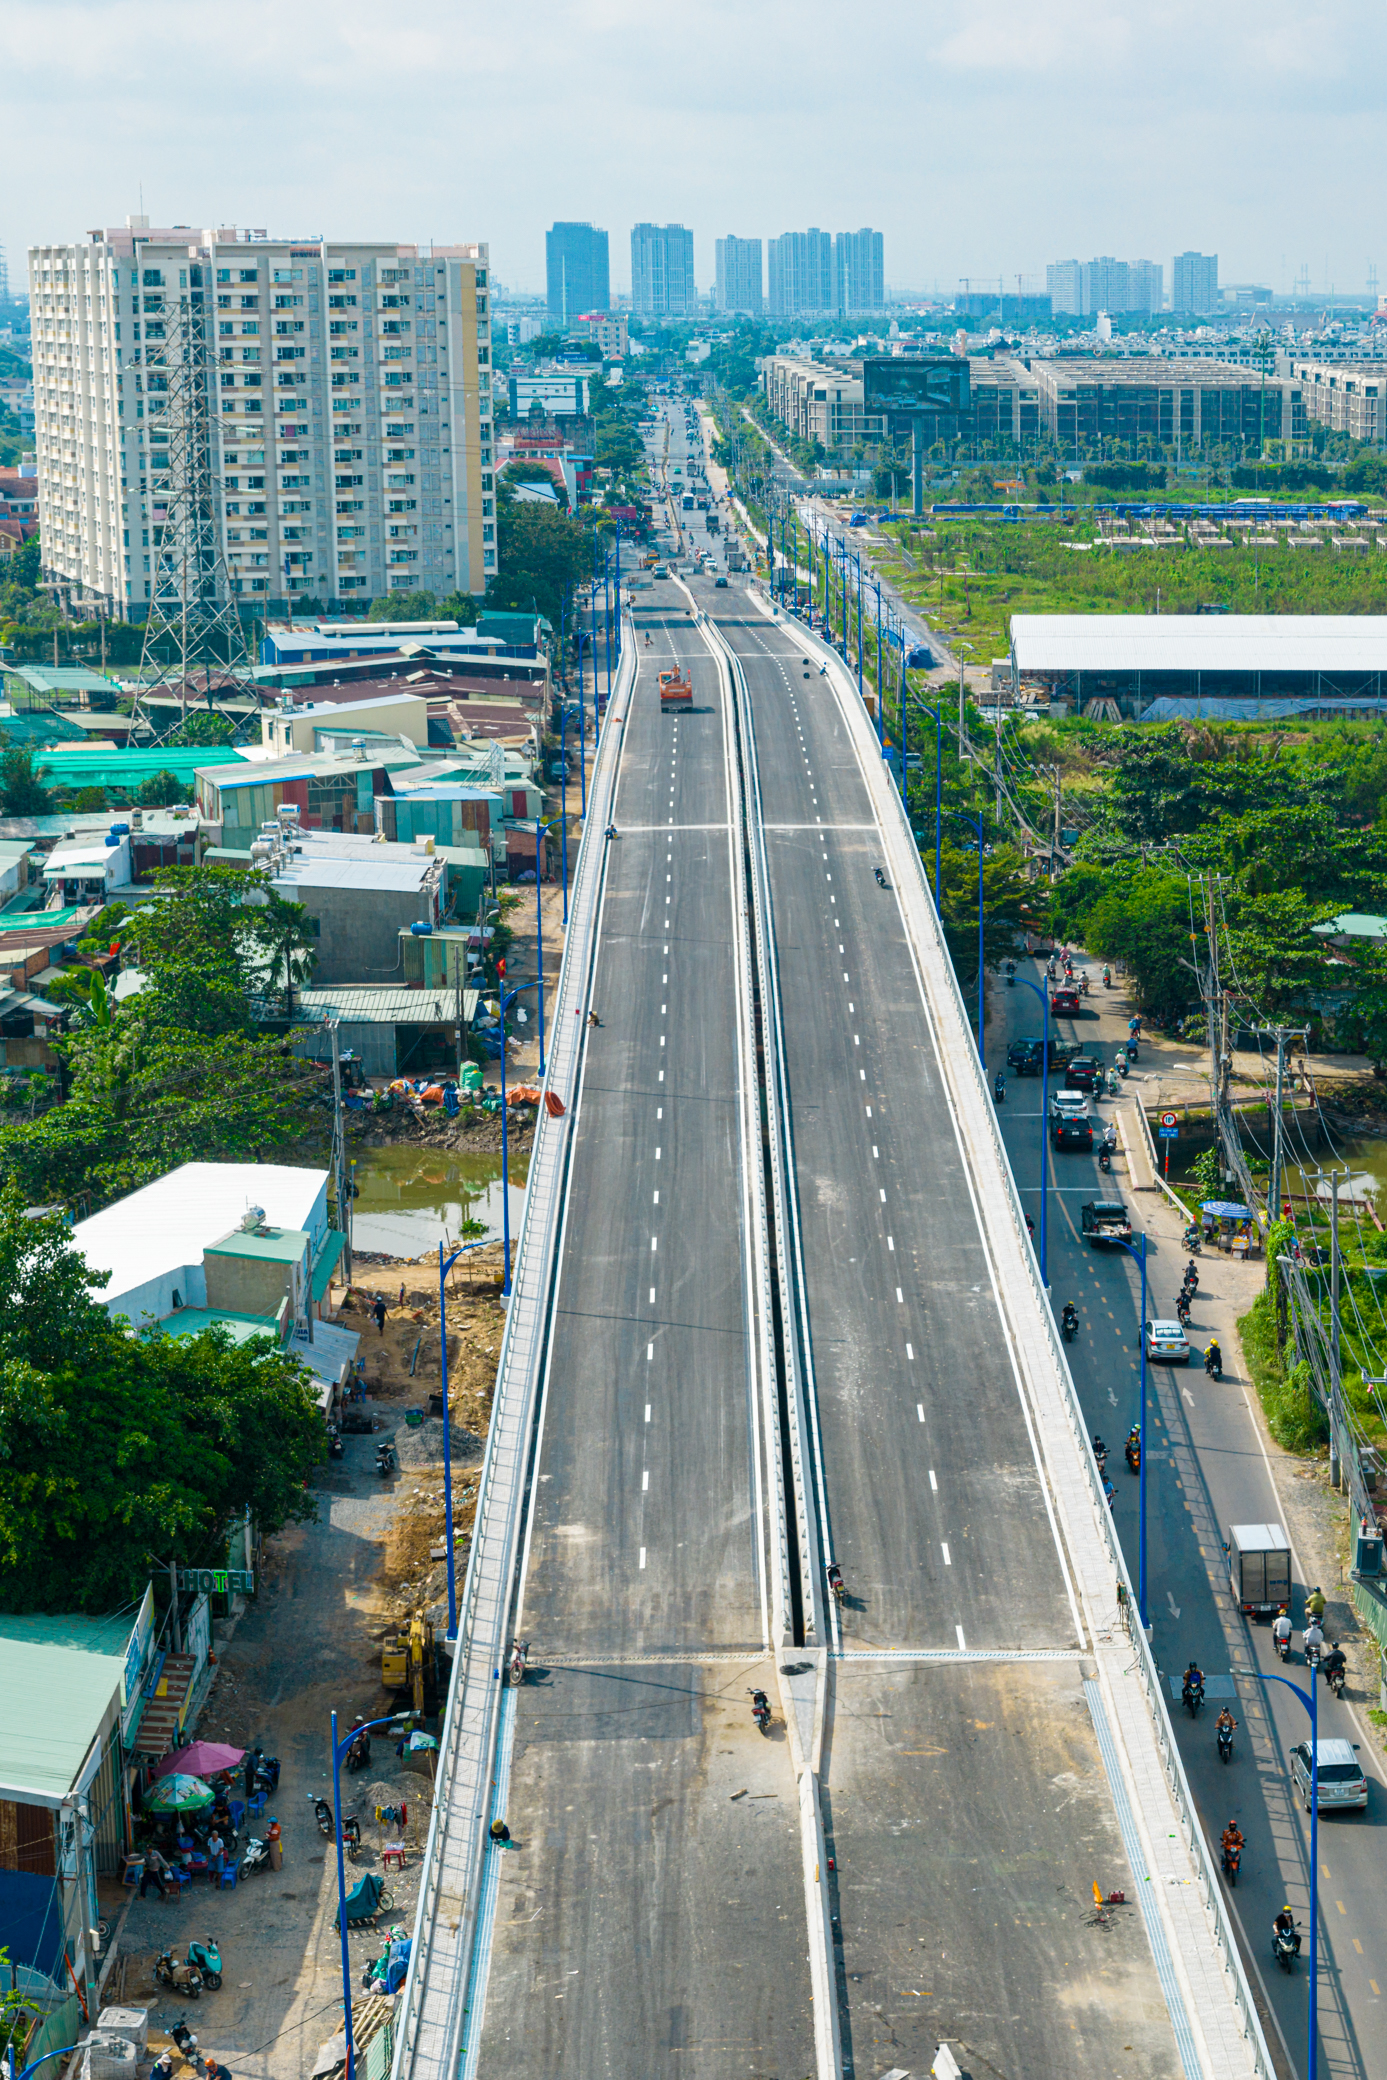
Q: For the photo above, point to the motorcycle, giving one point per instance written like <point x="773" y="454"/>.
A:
<point x="1232" y="1863"/>
<point x="1182" y="1312"/>
<point x="1131" y="1452"/>
<point x="1281" y="1641"/>
<point x="1105" y="1159"/>
<point x="1100" y="1453"/>
<point x="182" y="2036"/>
<point x="385" y="1457"/>
<point x="1213" y="1362"/>
<point x="1192" y="1275"/>
<point x="351" y="1837"/>
<point x="999" y="1088"/>
<point x="880" y="877"/>
<point x="256" y="1858"/>
<point x="1069" y="1324"/>
<point x="1011" y="974"/>
<point x="182" y="1978"/>
<point x="1225" y="1744"/>
<point x="322" y="1813"/>
<point x="335" y="1446"/>
<point x="1192" y="1698"/>
<point x="1314" y="1652"/>
<point x="761" y="1710"/>
<point x="1120" y="1063"/>
<point x="359" y="1753"/>
<point x="1335" y="1678"/>
<point x="519" y="1655"/>
<point x="1192" y="1240"/>
<point x="206" y="1958"/>
<point x="1285" y="1947"/>
<point x="1107" y="978"/>
<point x="836" y="1583"/>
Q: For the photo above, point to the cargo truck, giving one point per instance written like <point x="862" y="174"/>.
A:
<point x="1259" y="1569"/>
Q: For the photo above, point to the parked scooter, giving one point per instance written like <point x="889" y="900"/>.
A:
<point x="761" y="1710"/>
<point x="335" y="1446"/>
<point x="322" y="1813"/>
<point x="519" y="1658"/>
<point x="351" y="1837"/>
<point x="836" y="1584"/>
<point x="206" y="1958"/>
<point x="385" y="1457"/>
<point x="183" y="2037"/>
<point x="256" y="1858"/>
<point x="182" y="1978"/>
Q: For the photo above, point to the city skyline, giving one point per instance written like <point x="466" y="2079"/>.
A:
<point x="667" y="135"/>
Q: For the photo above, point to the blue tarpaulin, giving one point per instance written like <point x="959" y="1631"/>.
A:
<point x="31" y="1916"/>
<point x="1225" y="1210"/>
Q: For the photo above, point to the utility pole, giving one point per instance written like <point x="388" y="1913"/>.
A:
<point x="1281" y="1034"/>
<point x="1055" y="841"/>
<point x="1335" y="1465"/>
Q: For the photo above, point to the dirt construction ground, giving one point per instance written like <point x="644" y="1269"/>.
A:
<point x="310" y="1643"/>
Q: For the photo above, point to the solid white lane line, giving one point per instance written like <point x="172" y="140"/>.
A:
<point x="934" y="1485"/>
<point x="947" y="1561"/>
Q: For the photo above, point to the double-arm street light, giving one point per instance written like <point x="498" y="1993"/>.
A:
<point x="976" y="824"/>
<point x="1038" y="990"/>
<point x="1140" y="1255"/>
<point x="339" y="1749"/>
<point x="937" y="717"/>
<point x="1309" y="1698"/>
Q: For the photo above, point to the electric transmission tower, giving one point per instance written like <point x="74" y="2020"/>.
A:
<point x="192" y="632"/>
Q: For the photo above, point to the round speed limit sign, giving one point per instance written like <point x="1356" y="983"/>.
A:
<point x="1168" y="1119"/>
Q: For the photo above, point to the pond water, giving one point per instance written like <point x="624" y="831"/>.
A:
<point x="411" y="1199"/>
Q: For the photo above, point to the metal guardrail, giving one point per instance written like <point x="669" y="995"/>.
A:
<point x="433" y="2008"/>
<point x="875" y="772"/>
<point x="784" y="1194"/>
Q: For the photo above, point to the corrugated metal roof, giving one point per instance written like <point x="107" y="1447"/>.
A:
<point x="396" y="877"/>
<point x="386" y="1007"/>
<point x="1330" y="643"/>
<point x="75" y="1666"/>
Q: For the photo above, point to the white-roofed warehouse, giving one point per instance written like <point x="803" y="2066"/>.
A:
<point x="1152" y="666"/>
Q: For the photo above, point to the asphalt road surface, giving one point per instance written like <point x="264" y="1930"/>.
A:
<point x="967" y="1806"/>
<point x="651" y="1912"/>
<point x="1206" y="1470"/>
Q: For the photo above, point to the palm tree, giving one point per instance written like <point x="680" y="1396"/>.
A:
<point x="285" y="931"/>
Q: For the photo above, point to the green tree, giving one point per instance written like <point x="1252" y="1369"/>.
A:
<point x="403" y="606"/>
<point x="120" y="1451"/>
<point x="1142" y="918"/>
<point x="203" y="726"/>
<point x="284" y="933"/>
<point x="22" y="792"/>
<point x="460" y="607"/>
<point x="543" y="553"/>
<point x="161" y="790"/>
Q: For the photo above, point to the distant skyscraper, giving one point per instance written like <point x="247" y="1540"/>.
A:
<point x="1148" y="285"/>
<point x="1106" y="285"/>
<point x="576" y="269"/>
<point x="662" y="271"/>
<point x="1064" y="282"/>
<point x="800" y="274"/>
<point x="1194" y="283"/>
<point x="859" y="271"/>
<point x="739" y="281"/>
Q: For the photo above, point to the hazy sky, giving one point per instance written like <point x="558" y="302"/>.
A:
<point x="979" y="135"/>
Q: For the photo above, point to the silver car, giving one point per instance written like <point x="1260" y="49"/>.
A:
<point x="1341" y="1782"/>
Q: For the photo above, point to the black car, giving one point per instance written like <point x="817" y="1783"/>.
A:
<point x="1082" y="1074"/>
<point x="920" y="659"/>
<point x="1024" y="1056"/>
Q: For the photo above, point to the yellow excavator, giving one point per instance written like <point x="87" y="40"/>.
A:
<point x="409" y="1662"/>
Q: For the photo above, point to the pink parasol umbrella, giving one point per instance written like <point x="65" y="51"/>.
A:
<point x="203" y="1759"/>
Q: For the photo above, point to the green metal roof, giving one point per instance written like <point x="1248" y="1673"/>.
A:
<point x="58" y="1679"/>
<point x="191" y="1321"/>
<point x="39" y="727"/>
<point x="328" y="1257"/>
<point x="112" y="766"/>
<point x="280" y="1245"/>
<point x="1354" y="924"/>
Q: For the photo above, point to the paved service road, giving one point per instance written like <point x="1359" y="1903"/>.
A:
<point x="967" y="1806"/>
<point x="1207" y="1469"/>
<point x="651" y="1913"/>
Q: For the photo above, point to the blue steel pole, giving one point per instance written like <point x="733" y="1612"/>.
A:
<point x="342" y="1893"/>
<point x="1311" y="1704"/>
<point x="443" y="1270"/>
<point x="881" y="690"/>
<point x="582" y="735"/>
<point x="607" y="621"/>
<point x="858" y="561"/>
<point x="1140" y="1255"/>
<point x="563" y="803"/>
<point x="505" y="1172"/>
<point x="905" y="730"/>
<point x="1044" y="996"/>
<point x="976" y="824"/>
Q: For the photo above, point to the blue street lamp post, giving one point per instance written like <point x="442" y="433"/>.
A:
<point x="1140" y="1255"/>
<point x="1310" y="1700"/>
<point x="936" y="716"/>
<point x="66" y="2052"/>
<point x="1044" y="996"/>
<point x="541" y="832"/>
<point x="339" y="1749"/>
<point x="580" y="639"/>
<point x="976" y="823"/>
<point x="563" y="802"/>
<point x="881" y="692"/>
<point x="508" y="997"/>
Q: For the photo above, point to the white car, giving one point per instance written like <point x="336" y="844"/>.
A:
<point x="1340" y="1781"/>
<point x="1167" y="1343"/>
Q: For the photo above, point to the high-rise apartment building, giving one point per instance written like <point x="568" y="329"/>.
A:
<point x="1194" y="283"/>
<point x="662" y="271"/>
<point x="800" y="274"/>
<point x="576" y="270"/>
<point x="859" y="271"/>
<point x="739" y="278"/>
<point x="1082" y="288"/>
<point x="348" y="397"/>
